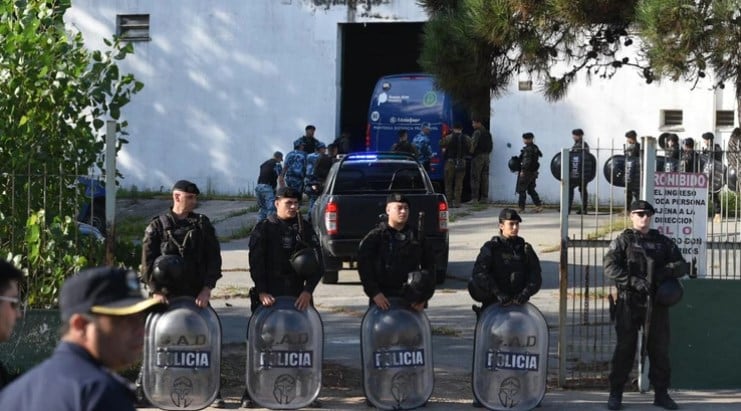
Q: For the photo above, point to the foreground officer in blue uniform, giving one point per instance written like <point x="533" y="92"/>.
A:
<point x="103" y="312"/>
<point x="626" y="262"/>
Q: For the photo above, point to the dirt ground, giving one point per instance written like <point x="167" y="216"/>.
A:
<point x="341" y="385"/>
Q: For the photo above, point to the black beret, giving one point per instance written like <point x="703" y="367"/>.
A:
<point x="396" y="198"/>
<point x="288" y="192"/>
<point x="509" y="214"/>
<point x="641" y="205"/>
<point x="187" y="186"/>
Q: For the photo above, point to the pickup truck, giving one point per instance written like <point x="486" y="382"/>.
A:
<point x="353" y="201"/>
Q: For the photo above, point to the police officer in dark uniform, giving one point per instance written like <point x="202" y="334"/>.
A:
<point x="390" y="252"/>
<point x="102" y="312"/>
<point x="285" y="258"/>
<point x="632" y="153"/>
<point x="627" y="263"/>
<point x="580" y="146"/>
<point x="181" y="232"/>
<point x="688" y="160"/>
<point x="712" y="153"/>
<point x="507" y="270"/>
<point x="528" y="174"/>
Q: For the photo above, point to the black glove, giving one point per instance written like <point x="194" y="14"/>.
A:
<point x="640" y="284"/>
<point x="676" y="269"/>
<point x="521" y="298"/>
<point x="503" y="298"/>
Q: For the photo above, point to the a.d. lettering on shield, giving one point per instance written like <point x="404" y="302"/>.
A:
<point x="286" y="359"/>
<point x="184" y="359"/>
<point x="501" y="360"/>
<point x="399" y="358"/>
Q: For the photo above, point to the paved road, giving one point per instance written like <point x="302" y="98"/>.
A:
<point x="342" y="305"/>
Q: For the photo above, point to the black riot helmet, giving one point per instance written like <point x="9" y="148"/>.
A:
<point x="514" y="164"/>
<point x="669" y="292"/>
<point x="305" y="262"/>
<point x="168" y="272"/>
<point x="419" y="287"/>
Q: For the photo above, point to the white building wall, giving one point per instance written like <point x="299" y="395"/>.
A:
<point x="227" y="82"/>
<point x="605" y="109"/>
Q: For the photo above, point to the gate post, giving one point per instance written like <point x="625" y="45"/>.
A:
<point x="563" y="266"/>
<point x="649" y="169"/>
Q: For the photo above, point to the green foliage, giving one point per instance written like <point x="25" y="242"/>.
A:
<point x="54" y="97"/>
<point x="53" y="252"/>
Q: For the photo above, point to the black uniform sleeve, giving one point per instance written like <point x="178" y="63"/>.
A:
<point x="616" y="261"/>
<point x="258" y="256"/>
<point x="368" y="254"/>
<point x="534" y="272"/>
<point x="211" y="253"/>
<point x="150" y="249"/>
<point x="482" y="269"/>
<point x="313" y="241"/>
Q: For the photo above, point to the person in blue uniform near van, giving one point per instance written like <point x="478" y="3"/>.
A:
<point x="267" y="183"/>
<point x="294" y="167"/>
<point x="424" y="150"/>
<point x="103" y="313"/>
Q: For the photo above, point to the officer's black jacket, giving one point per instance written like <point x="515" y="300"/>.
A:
<point x="507" y="266"/>
<point x="271" y="245"/>
<point x="201" y="252"/>
<point x="689" y="161"/>
<point x="529" y="156"/>
<point x="623" y="260"/>
<point x="386" y="257"/>
<point x="267" y="173"/>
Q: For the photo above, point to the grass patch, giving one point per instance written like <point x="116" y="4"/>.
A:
<point x="445" y="331"/>
<point x="478" y="206"/>
<point x="619" y="224"/>
<point x="131" y="228"/>
<point x="241" y="232"/>
<point x="232" y="214"/>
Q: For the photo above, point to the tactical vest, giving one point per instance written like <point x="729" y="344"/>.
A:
<point x="186" y="241"/>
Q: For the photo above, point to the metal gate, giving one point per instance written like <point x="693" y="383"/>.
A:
<point x="586" y="337"/>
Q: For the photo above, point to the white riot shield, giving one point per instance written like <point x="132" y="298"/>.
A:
<point x="284" y="355"/>
<point x="510" y="357"/>
<point x="182" y="356"/>
<point x="396" y="348"/>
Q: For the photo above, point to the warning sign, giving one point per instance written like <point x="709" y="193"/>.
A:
<point x="681" y="214"/>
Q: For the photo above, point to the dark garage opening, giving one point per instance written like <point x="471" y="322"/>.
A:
<point x="369" y="51"/>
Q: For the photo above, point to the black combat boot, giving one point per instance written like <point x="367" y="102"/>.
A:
<point x="662" y="399"/>
<point x="246" y="401"/>
<point x="615" y="401"/>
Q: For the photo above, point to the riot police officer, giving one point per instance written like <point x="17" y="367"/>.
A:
<point x="528" y="174"/>
<point x="640" y="260"/>
<point x="390" y="252"/>
<point x="632" y="176"/>
<point x="688" y="160"/>
<point x="190" y="236"/>
<point x="285" y="258"/>
<point x="507" y="270"/>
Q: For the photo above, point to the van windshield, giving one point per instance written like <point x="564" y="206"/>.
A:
<point x="406" y="100"/>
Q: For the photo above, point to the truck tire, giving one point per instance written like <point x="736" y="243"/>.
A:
<point x="330" y="277"/>
<point x="440" y="275"/>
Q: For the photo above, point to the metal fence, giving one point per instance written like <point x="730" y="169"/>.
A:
<point x="586" y="335"/>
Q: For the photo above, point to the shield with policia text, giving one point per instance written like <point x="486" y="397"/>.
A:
<point x="182" y="356"/>
<point x="284" y="355"/>
<point x="396" y="348"/>
<point x="510" y="357"/>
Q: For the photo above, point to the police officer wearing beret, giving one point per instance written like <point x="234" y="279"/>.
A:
<point x="285" y="258"/>
<point x="639" y="260"/>
<point x="189" y="238"/>
<point x="507" y="270"/>
<point x="103" y="312"/>
<point x="390" y="252"/>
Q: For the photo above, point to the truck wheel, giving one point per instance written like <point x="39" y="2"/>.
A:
<point x="330" y="277"/>
<point x="440" y="275"/>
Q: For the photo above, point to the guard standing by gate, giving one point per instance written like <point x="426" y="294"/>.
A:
<point x="644" y="265"/>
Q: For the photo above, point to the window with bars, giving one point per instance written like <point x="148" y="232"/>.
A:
<point x="671" y="118"/>
<point x="133" y="27"/>
<point x="724" y="118"/>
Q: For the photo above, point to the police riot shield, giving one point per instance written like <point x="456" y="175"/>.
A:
<point x="582" y="166"/>
<point x="182" y="356"/>
<point x="632" y="173"/>
<point x="284" y="355"/>
<point x="614" y="170"/>
<point x="396" y="349"/>
<point x="510" y="357"/>
<point x="715" y="170"/>
<point x="732" y="180"/>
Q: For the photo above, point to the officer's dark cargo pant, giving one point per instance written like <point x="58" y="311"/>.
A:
<point x="629" y="318"/>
